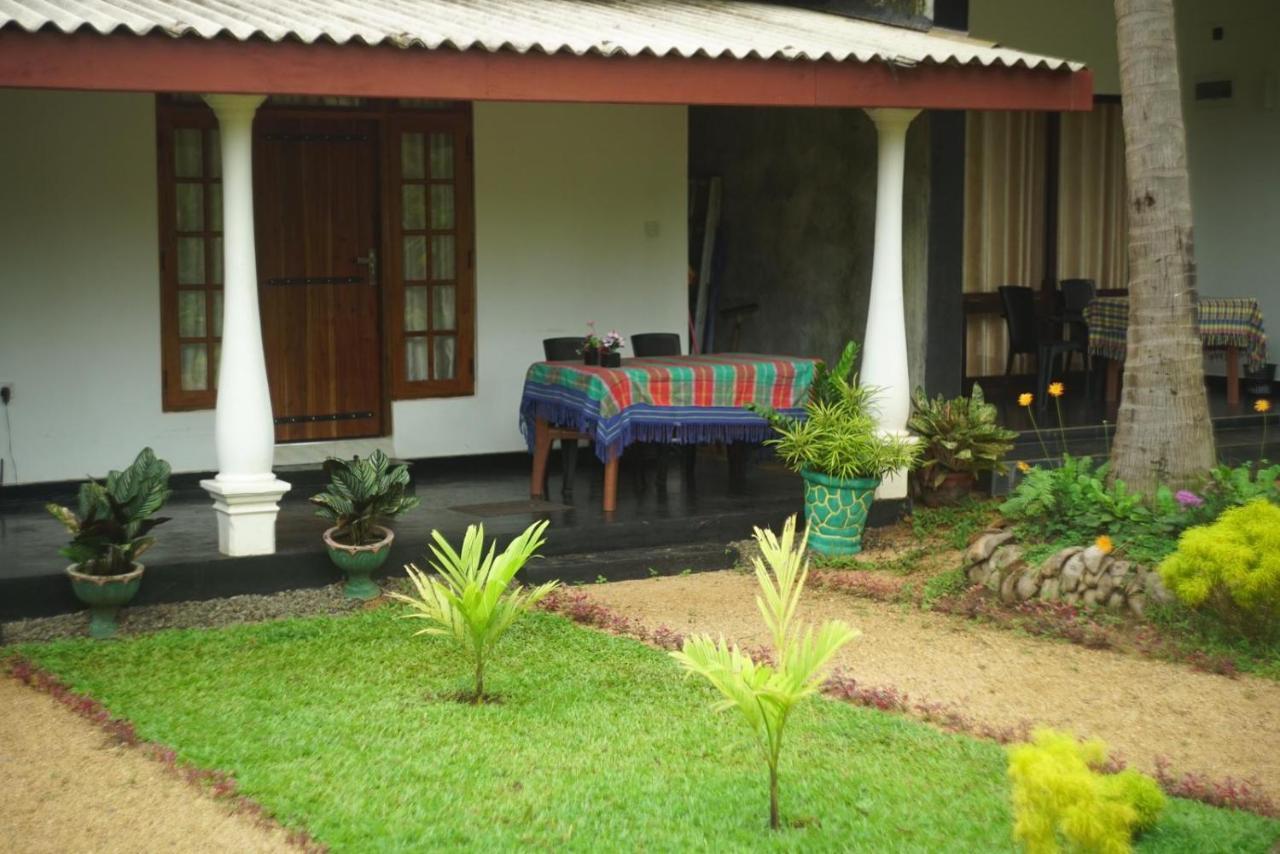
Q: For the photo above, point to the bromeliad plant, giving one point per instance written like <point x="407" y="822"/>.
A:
<point x="767" y="693"/>
<point x="472" y="601"/>
<point x="363" y="495"/>
<point x="110" y="527"/>
<point x="958" y="437"/>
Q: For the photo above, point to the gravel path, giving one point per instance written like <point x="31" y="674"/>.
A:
<point x="68" y="789"/>
<point x="188" y="615"/>
<point x="1141" y="708"/>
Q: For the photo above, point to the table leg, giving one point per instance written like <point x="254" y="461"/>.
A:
<point x="1233" y="376"/>
<point x="541" y="451"/>
<point x="611" y="484"/>
<point x="1113" y="380"/>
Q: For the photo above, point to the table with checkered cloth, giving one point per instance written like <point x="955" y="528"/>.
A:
<point x="670" y="399"/>
<point x="1223" y="323"/>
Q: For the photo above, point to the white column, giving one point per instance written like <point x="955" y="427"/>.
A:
<point x="884" y="347"/>
<point x="245" y="493"/>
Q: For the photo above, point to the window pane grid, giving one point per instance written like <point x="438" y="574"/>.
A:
<point x="198" y="226"/>
<point x="429" y="240"/>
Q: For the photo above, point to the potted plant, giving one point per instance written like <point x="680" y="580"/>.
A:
<point x="109" y="531"/>
<point x="591" y="345"/>
<point x="840" y="452"/>
<point x="610" y="344"/>
<point x="361" y="498"/>
<point x="959" y="440"/>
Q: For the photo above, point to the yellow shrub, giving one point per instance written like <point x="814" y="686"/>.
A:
<point x="1231" y="568"/>
<point x="1061" y="803"/>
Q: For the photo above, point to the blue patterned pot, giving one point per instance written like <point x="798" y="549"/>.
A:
<point x="359" y="562"/>
<point x="835" y="511"/>
<point x="104" y="594"/>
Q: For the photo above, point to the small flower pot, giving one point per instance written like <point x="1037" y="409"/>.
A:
<point x="611" y="359"/>
<point x="835" y="511"/>
<point x="104" y="594"/>
<point x="359" y="562"/>
<point x="591" y="356"/>
<point x="954" y="488"/>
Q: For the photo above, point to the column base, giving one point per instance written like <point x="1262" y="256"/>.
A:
<point x="894" y="486"/>
<point x="247" y="513"/>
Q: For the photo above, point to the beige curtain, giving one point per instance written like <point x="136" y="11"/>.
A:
<point x="1092" y="222"/>
<point x="1004" y="221"/>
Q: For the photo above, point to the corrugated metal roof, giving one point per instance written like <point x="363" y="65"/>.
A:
<point x="685" y="28"/>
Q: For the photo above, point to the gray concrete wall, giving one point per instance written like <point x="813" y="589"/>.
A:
<point x="798" y="223"/>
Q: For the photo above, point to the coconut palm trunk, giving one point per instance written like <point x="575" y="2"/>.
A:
<point x="1163" y="433"/>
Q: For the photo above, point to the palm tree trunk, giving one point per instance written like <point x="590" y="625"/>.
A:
<point x="1163" y="433"/>
<point x="775" y="820"/>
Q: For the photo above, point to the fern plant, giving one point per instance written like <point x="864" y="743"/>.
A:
<point x="839" y="435"/>
<point x="362" y="495"/>
<point x="767" y="693"/>
<point x="472" y="601"/>
<point x="110" y="527"/>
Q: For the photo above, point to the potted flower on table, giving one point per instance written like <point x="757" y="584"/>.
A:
<point x="842" y="455"/>
<point x="610" y="344"/>
<point x="362" y="497"/>
<point x="591" y="345"/>
<point x="109" y="531"/>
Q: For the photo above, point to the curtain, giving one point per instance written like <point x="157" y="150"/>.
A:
<point x="1005" y="156"/>
<point x="1092" y="217"/>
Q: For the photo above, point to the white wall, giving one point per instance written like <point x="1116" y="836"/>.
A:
<point x="79" y="289"/>
<point x="1233" y="149"/>
<point x="567" y="198"/>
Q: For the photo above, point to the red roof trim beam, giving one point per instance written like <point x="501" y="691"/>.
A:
<point x="159" y="63"/>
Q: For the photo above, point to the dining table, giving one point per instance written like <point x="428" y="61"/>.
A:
<point x="678" y="400"/>
<point x="1228" y="327"/>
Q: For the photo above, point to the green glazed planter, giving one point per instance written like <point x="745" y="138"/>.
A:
<point x="104" y="594"/>
<point x="835" y="511"/>
<point x="359" y="562"/>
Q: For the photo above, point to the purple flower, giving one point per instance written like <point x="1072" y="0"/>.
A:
<point x="1188" y="499"/>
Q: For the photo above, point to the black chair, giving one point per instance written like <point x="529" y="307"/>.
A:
<point x="1075" y="296"/>
<point x="562" y="349"/>
<point x="655" y="344"/>
<point x="1019" y="304"/>
<point x="565" y="350"/>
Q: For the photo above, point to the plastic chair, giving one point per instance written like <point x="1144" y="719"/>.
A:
<point x="562" y="349"/>
<point x="1019" y="303"/>
<point x="655" y="344"/>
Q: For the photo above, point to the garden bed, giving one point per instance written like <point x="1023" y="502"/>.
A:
<point x="342" y="726"/>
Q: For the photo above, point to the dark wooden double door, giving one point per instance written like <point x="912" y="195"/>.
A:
<point x="316" y="215"/>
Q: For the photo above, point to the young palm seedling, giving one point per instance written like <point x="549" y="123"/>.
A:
<point x="472" y="600"/>
<point x="767" y="693"/>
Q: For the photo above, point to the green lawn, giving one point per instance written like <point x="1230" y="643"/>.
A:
<point x="333" y="724"/>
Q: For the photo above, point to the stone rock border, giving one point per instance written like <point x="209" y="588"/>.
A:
<point x="1085" y="576"/>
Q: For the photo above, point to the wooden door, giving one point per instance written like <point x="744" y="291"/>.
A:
<point x="315" y="210"/>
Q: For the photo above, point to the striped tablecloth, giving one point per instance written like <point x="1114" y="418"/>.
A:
<point x="673" y="399"/>
<point x="1223" y="323"/>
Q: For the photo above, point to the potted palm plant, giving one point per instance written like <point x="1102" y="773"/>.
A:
<point x="959" y="440"/>
<point x="841" y="454"/>
<point x="110" y="529"/>
<point x="361" y="498"/>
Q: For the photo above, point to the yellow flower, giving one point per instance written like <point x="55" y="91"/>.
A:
<point x="1262" y="405"/>
<point x="1104" y="544"/>
<point x="1055" y="389"/>
<point x="1025" y="398"/>
<point x="1023" y="467"/>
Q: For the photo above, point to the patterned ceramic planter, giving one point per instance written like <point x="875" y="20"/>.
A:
<point x="104" y="594"/>
<point x="359" y="562"/>
<point x="835" y="511"/>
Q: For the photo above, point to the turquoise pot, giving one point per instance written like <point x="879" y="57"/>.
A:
<point x="835" y="511"/>
<point x="104" y="594"/>
<point x="359" y="562"/>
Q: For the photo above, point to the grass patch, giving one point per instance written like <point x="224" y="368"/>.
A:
<point x="954" y="525"/>
<point x="330" y="724"/>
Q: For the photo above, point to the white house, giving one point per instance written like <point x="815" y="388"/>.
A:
<point x="246" y="234"/>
